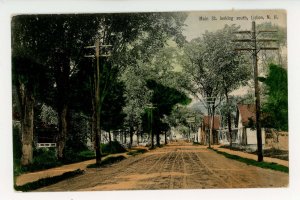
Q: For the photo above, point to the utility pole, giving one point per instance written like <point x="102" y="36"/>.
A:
<point x="190" y="120"/>
<point x="97" y="78"/>
<point x="256" y="46"/>
<point x="210" y="101"/>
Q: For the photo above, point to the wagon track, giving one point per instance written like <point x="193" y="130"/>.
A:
<point x="176" y="166"/>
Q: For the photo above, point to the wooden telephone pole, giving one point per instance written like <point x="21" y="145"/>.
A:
<point x="256" y="46"/>
<point x="97" y="76"/>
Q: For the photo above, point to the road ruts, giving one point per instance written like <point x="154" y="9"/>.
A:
<point x="175" y="166"/>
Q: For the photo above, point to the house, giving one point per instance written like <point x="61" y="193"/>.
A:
<point x="245" y="137"/>
<point x="205" y="129"/>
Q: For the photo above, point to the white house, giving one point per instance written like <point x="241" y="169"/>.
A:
<point x="245" y="137"/>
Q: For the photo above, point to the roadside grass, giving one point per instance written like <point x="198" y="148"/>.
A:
<point x="272" y="152"/>
<point x="137" y="152"/>
<point x="47" y="181"/>
<point x="112" y="147"/>
<point x="267" y="165"/>
<point x="46" y="159"/>
<point x="107" y="161"/>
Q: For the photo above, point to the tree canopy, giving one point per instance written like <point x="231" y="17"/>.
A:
<point x="275" y="108"/>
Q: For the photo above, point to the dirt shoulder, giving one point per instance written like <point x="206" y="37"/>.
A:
<point x="34" y="176"/>
<point x="175" y="166"/>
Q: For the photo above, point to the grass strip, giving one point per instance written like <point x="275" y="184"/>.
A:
<point x="267" y="165"/>
<point x="48" y="181"/>
<point x="137" y="152"/>
<point x="107" y="161"/>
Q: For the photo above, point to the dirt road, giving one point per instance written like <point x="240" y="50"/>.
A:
<point x="176" y="166"/>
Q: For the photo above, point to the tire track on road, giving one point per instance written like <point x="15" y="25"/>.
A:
<point x="184" y="184"/>
<point x="203" y="165"/>
<point x="171" y="181"/>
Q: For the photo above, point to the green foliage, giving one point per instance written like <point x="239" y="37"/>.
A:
<point x="72" y="156"/>
<point x="164" y="99"/>
<point x="248" y="161"/>
<point x="276" y="106"/>
<point x="42" y="159"/>
<point x="211" y="65"/>
<point x="46" y="158"/>
<point x="80" y="131"/>
<point x="112" y="108"/>
<point x="48" y="181"/>
<point x="112" y="147"/>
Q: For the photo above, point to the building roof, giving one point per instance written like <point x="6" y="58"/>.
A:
<point x="247" y="111"/>
<point x="206" y="120"/>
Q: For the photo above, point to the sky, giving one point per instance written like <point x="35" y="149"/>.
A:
<point x="197" y="23"/>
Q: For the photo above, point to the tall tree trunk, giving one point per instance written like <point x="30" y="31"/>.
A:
<point x="110" y="143"/>
<point x="157" y="139"/>
<point x="215" y="134"/>
<point x="62" y="73"/>
<point x="125" y="135"/>
<point x="63" y="130"/>
<point x="137" y="137"/>
<point x="229" y="119"/>
<point x="109" y="136"/>
<point x="27" y="126"/>
<point x="166" y="137"/>
<point x="131" y="136"/>
<point x="151" y="130"/>
<point x="210" y="129"/>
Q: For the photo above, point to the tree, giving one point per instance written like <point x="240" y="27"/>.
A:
<point x="201" y="81"/>
<point x="112" y="109"/>
<point x="29" y="80"/>
<point x="215" y="68"/>
<point x="57" y="41"/>
<point x="164" y="99"/>
<point x="276" y="107"/>
<point x="137" y="97"/>
<point x="231" y="68"/>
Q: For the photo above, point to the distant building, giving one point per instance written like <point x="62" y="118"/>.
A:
<point x="205" y="129"/>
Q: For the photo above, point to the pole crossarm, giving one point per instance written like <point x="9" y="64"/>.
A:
<point x="242" y="32"/>
<point x="244" y="49"/>
<point x="269" y="48"/>
<point x="242" y="40"/>
<point x="90" y="47"/>
<point x="257" y="45"/>
<point x="267" y="40"/>
<point x="89" y="56"/>
<point x="267" y="31"/>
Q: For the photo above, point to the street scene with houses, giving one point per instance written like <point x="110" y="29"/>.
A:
<point x="150" y="101"/>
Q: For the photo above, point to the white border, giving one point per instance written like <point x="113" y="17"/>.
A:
<point x="9" y="8"/>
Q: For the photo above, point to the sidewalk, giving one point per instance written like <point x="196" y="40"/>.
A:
<point x="34" y="176"/>
<point x="251" y="156"/>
